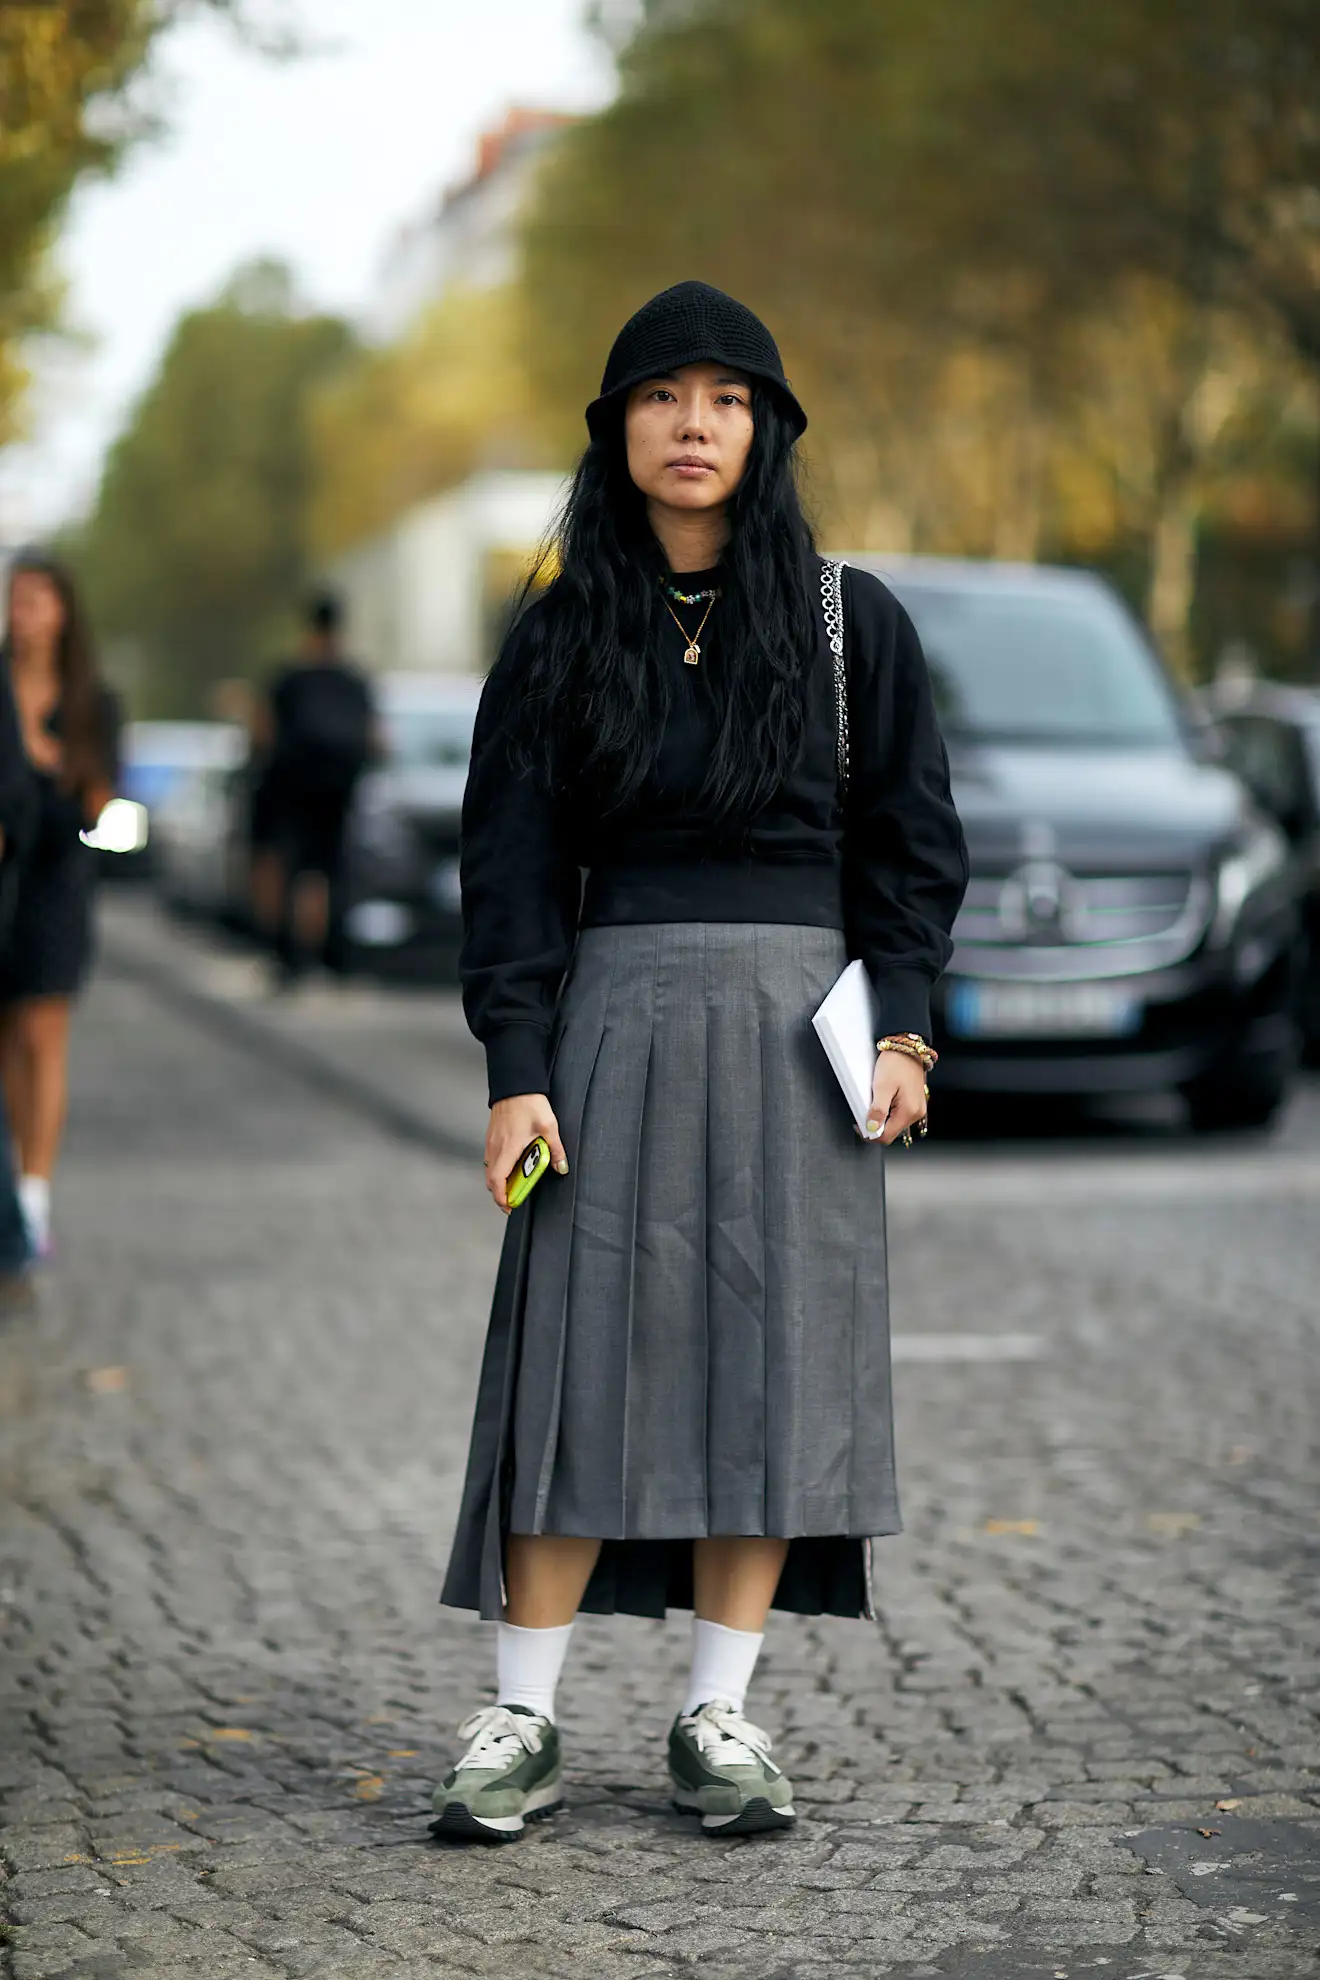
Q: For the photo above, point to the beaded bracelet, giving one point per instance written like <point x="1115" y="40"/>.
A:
<point x="912" y="1046"/>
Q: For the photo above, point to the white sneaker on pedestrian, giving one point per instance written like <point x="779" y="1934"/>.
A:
<point x="34" y="1202"/>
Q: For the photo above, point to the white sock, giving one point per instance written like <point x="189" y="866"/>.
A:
<point x="527" y="1665"/>
<point x="34" y="1202"/>
<point x="722" y="1664"/>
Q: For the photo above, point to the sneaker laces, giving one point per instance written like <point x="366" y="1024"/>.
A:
<point x="723" y="1732"/>
<point x="499" y="1737"/>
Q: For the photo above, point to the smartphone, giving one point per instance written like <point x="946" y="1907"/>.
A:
<point x="531" y="1166"/>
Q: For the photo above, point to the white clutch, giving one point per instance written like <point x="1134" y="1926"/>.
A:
<point x="847" y="1025"/>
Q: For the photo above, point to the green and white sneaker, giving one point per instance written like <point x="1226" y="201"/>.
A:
<point x="509" y="1774"/>
<point x="721" y="1769"/>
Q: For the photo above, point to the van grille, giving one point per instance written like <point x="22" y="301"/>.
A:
<point x="1041" y="922"/>
<point x="1123" y="909"/>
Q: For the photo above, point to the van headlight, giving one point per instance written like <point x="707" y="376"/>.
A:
<point x="1260" y="853"/>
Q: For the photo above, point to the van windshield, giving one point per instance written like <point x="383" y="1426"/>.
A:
<point x="1010" y="667"/>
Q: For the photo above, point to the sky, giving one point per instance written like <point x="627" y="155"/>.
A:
<point x="318" y="161"/>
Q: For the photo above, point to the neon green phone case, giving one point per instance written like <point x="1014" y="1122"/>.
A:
<point x="532" y="1165"/>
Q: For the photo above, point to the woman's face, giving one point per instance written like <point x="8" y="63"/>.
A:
<point x="689" y="434"/>
<point x="36" y="610"/>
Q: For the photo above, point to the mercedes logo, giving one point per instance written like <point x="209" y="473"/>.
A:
<point x="1039" y="903"/>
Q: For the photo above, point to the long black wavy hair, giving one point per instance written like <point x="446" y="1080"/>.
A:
<point x="587" y="702"/>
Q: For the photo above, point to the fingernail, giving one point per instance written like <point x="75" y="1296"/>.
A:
<point x="872" y="1129"/>
<point x="561" y="1168"/>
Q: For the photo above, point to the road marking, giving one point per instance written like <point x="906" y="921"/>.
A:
<point x="955" y="1183"/>
<point x="967" y="1347"/>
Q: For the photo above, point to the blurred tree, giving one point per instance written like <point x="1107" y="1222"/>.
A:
<point x="55" y="64"/>
<point x="409" y="419"/>
<point x="66" y="110"/>
<point x="1180" y="141"/>
<point x="1161" y="391"/>
<point x="1176" y="148"/>
<point x="197" y="547"/>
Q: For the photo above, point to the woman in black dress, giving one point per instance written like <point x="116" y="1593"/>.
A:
<point x="68" y="725"/>
<point x="685" y="1397"/>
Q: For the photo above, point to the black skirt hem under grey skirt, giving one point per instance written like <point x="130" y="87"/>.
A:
<point x="689" y="1332"/>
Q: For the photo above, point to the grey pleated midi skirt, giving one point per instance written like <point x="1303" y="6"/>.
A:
<point x="690" y="1331"/>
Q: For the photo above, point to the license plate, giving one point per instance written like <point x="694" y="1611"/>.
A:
<point x="1041" y="1010"/>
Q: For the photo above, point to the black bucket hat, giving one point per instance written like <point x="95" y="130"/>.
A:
<point x="692" y="323"/>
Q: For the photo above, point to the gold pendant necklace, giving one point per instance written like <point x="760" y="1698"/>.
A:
<point x="693" y="653"/>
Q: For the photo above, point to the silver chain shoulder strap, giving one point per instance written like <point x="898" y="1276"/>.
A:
<point x="831" y="594"/>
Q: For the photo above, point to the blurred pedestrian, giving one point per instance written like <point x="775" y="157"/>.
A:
<point x="686" y="1394"/>
<point x="18" y="806"/>
<point x="315" y="736"/>
<point x="68" y="726"/>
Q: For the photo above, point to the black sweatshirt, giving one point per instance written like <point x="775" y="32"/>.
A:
<point x="889" y="868"/>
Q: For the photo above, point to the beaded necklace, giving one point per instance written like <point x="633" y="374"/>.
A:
<point x="689" y="597"/>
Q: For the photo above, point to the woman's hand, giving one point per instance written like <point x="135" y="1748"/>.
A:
<point x="513" y="1123"/>
<point x="898" y="1097"/>
<point x="95" y="799"/>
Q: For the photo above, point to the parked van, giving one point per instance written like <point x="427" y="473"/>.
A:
<point x="1131" y="922"/>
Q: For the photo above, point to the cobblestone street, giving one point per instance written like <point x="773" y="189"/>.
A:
<point x="1083" y="1740"/>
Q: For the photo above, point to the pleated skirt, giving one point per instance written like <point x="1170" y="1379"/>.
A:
<point x="689" y="1334"/>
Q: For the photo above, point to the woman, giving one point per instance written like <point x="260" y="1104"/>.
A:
<point x="69" y="730"/>
<point x="685" y="1396"/>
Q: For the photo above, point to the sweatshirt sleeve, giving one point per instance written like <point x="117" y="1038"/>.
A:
<point x="904" y="856"/>
<point x="521" y="896"/>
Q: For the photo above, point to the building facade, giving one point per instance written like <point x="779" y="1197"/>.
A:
<point x="470" y="238"/>
<point x="432" y="593"/>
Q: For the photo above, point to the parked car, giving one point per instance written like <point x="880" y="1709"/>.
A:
<point x="155" y="757"/>
<point x="199" y="831"/>
<point x="1273" y="742"/>
<point x="1131" y="922"/>
<point x="402" y="867"/>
